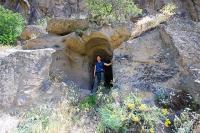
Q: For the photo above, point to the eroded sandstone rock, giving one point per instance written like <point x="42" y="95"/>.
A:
<point x="32" y="32"/>
<point x="75" y="55"/>
<point x="62" y="26"/>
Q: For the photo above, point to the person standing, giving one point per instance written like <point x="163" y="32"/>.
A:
<point x="99" y="73"/>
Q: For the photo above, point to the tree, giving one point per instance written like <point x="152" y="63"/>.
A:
<point x="11" y="26"/>
<point x="113" y="10"/>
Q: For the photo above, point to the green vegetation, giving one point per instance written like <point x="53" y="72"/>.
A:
<point x="35" y="120"/>
<point x="108" y="112"/>
<point x="169" y="9"/>
<point x="88" y="102"/>
<point x="132" y="114"/>
<point x="113" y="10"/>
<point x="11" y="26"/>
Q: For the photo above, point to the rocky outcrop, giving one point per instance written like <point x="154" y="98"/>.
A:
<point x="32" y="32"/>
<point x="38" y="9"/>
<point x="75" y="52"/>
<point x="185" y="8"/>
<point x="143" y="66"/>
<point x="61" y="26"/>
<point x="26" y="80"/>
<point x="182" y="36"/>
<point x="22" y="73"/>
<point x="166" y="58"/>
<point x="147" y="23"/>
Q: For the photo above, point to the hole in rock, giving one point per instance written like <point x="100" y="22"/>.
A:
<point x="69" y="65"/>
<point x="100" y="47"/>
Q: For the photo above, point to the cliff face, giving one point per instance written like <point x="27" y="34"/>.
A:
<point x="37" y="9"/>
<point x="164" y="58"/>
<point x="186" y="8"/>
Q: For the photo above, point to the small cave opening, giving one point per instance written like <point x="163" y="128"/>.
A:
<point x="69" y="65"/>
<point x="102" y="48"/>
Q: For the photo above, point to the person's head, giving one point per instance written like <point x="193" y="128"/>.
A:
<point x="98" y="58"/>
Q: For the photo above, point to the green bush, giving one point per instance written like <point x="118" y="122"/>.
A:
<point x="113" y="10"/>
<point x="88" y="102"/>
<point x="132" y="115"/>
<point x="11" y="26"/>
<point x="113" y="117"/>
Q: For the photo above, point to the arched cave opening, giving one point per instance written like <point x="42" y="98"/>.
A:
<point x="69" y="65"/>
<point x="100" y="47"/>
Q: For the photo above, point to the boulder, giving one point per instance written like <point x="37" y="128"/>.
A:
<point x="166" y="58"/>
<point x="182" y="37"/>
<point x="22" y="73"/>
<point x="32" y="32"/>
<point x="144" y="66"/>
<point x="63" y="26"/>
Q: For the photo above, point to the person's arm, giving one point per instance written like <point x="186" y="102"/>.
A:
<point x="108" y="64"/>
<point x="95" y="71"/>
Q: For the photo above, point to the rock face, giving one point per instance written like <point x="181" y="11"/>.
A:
<point x="22" y="73"/>
<point x="75" y="54"/>
<point x="142" y="65"/>
<point x="183" y="38"/>
<point x="165" y="58"/>
<point x="37" y="9"/>
<point x="186" y="8"/>
<point x="65" y="26"/>
<point x="26" y="80"/>
<point x="32" y="32"/>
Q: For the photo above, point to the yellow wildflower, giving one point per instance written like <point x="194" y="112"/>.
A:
<point x="164" y="111"/>
<point x="131" y="106"/>
<point x="167" y="122"/>
<point x="151" y="130"/>
<point x="135" y="119"/>
<point x="142" y="107"/>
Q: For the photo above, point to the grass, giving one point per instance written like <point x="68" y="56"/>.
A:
<point x="88" y="102"/>
<point x="6" y="46"/>
<point x="130" y="114"/>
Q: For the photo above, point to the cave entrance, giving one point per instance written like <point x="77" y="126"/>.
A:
<point x="100" y="47"/>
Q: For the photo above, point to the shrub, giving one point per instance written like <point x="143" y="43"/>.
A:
<point x="113" y="10"/>
<point x="88" y="102"/>
<point x="169" y="9"/>
<point x="185" y="123"/>
<point x="113" y="117"/>
<point x="131" y="115"/>
<point x="11" y="26"/>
